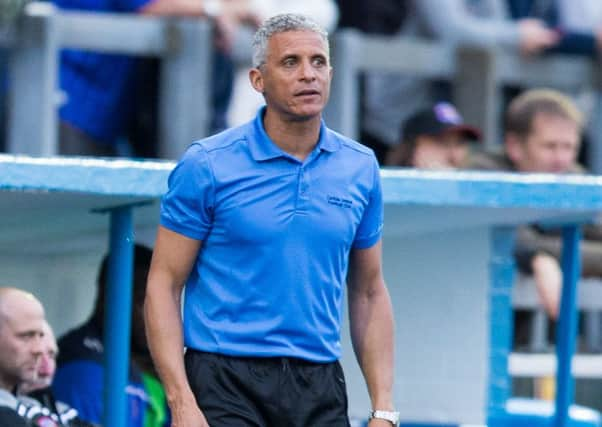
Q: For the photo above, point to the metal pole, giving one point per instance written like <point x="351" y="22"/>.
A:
<point x="342" y="111"/>
<point x="118" y="300"/>
<point x="566" y="334"/>
<point x="501" y="276"/>
<point x="477" y="91"/>
<point x="32" y="121"/>
<point x="185" y="92"/>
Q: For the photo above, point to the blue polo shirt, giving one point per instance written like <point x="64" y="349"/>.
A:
<point x="276" y="232"/>
<point x="99" y="87"/>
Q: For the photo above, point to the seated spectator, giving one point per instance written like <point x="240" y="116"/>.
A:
<point x="579" y="25"/>
<point x="390" y="98"/>
<point x="36" y="397"/>
<point x="99" y="87"/>
<point x="80" y="374"/>
<point x="542" y="134"/>
<point x="435" y="138"/>
<point x="21" y="331"/>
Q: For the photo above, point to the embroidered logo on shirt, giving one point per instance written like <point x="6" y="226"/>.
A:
<point x="337" y="201"/>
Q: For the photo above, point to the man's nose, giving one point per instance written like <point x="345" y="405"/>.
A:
<point x="307" y="70"/>
<point x="563" y="159"/>
<point x="44" y="365"/>
<point x="37" y="346"/>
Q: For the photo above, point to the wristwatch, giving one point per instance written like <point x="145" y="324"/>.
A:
<point x="391" y="416"/>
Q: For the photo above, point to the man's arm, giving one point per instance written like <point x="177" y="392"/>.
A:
<point x="452" y="21"/>
<point x="174" y="8"/>
<point x="548" y="282"/>
<point x="239" y="9"/>
<point x="173" y="258"/>
<point x="531" y="241"/>
<point x="371" y="323"/>
<point x="228" y="15"/>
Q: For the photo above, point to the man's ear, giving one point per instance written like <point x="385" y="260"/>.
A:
<point x="256" y="79"/>
<point x="514" y="147"/>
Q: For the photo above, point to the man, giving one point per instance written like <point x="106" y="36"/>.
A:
<point x="435" y="138"/>
<point x="21" y="332"/>
<point x="35" y="396"/>
<point x="80" y="375"/>
<point x="262" y="223"/>
<point x="27" y="351"/>
<point x="542" y="134"/>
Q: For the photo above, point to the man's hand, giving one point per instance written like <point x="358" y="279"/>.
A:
<point x="548" y="281"/>
<point x="234" y="14"/>
<point x="187" y="414"/>
<point x="375" y="422"/>
<point x="535" y="36"/>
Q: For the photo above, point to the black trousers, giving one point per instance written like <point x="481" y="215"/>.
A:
<point x="267" y="392"/>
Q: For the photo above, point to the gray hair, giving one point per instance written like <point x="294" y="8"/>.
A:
<point x="281" y="24"/>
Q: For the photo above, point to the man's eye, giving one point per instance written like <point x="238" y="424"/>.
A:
<point x="289" y="62"/>
<point x="319" y="62"/>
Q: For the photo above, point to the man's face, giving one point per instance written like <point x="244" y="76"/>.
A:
<point x="445" y="151"/>
<point x="295" y="79"/>
<point x="21" y="333"/>
<point x="46" y="363"/>
<point x="551" y="146"/>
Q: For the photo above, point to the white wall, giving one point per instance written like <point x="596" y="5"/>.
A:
<point x="65" y="283"/>
<point x="439" y="286"/>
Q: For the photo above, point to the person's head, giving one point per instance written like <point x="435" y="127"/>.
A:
<point x="542" y="132"/>
<point x="291" y="66"/>
<point x="46" y="364"/>
<point x="434" y="138"/>
<point x="142" y="259"/>
<point x="21" y="331"/>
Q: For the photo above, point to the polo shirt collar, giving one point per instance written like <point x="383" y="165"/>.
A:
<point x="263" y="148"/>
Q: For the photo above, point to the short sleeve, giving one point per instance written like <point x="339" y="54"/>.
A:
<point x="187" y="207"/>
<point x="370" y="228"/>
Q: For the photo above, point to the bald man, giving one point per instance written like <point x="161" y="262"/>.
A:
<point x="21" y="332"/>
<point x="27" y="362"/>
<point x="36" y="398"/>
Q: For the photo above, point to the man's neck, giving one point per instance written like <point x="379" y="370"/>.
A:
<point x="4" y="385"/>
<point x="295" y="137"/>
